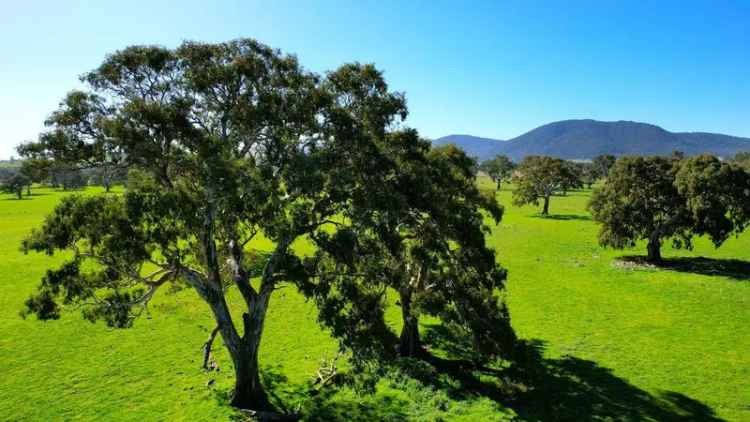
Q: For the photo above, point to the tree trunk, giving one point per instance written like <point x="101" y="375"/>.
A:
<point x="28" y="190"/>
<point x="410" y="343"/>
<point x="654" y="249"/>
<point x="545" y="210"/>
<point x="248" y="389"/>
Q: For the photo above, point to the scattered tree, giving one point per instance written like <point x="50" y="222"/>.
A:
<point x="717" y="195"/>
<point x="538" y="178"/>
<point x="15" y="185"/>
<point x="658" y="198"/>
<point x="37" y="171"/>
<point x="499" y="169"/>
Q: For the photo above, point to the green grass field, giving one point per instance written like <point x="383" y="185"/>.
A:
<point x="619" y="342"/>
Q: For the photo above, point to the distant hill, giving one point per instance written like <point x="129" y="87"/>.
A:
<point x="585" y="139"/>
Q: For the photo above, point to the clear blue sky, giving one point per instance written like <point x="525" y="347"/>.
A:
<point x="494" y="69"/>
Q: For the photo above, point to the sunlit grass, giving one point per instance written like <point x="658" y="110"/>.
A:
<point x="658" y="331"/>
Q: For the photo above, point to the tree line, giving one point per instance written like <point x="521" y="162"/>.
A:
<point x="44" y="171"/>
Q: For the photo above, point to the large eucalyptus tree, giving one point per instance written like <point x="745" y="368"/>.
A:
<point x="232" y="140"/>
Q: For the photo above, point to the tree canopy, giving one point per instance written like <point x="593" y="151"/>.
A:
<point x="602" y="164"/>
<point x="658" y="198"/>
<point x="232" y="139"/>
<point x="499" y="169"/>
<point x="15" y="184"/>
<point x="424" y="239"/>
<point x="539" y="178"/>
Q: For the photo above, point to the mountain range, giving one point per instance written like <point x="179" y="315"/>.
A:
<point x="585" y="139"/>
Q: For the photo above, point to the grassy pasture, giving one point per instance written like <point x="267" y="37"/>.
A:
<point x="617" y="341"/>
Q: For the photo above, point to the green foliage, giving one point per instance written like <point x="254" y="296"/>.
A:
<point x="15" y="184"/>
<point x="743" y="160"/>
<point x="539" y="177"/>
<point x="602" y="164"/>
<point x="224" y="142"/>
<point x="420" y="232"/>
<point x="657" y="198"/>
<point x="588" y="173"/>
<point x="499" y="169"/>
<point x="717" y="196"/>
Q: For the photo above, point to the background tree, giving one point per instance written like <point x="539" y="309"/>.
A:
<point x="423" y="238"/>
<point x="639" y="201"/>
<point x="571" y="176"/>
<point x="588" y="172"/>
<point x="37" y="171"/>
<point x="538" y="178"/>
<point x="15" y="185"/>
<point x="742" y="159"/>
<point x="717" y="195"/>
<point x="602" y="164"/>
<point x="657" y="198"/>
<point x="231" y="139"/>
<point x="499" y="169"/>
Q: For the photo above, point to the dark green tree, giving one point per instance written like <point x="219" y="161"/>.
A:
<point x="589" y="173"/>
<point x="37" y="171"/>
<point x="742" y="159"/>
<point x="602" y="164"/>
<point x="658" y="198"/>
<point x="640" y="201"/>
<point x="499" y="169"/>
<point x="230" y="140"/>
<point x="717" y="195"/>
<point x="538" y="178"/>
<point x="423" y="237"/>
<point x="572" y="177"/>
<point x="15" y="184"/>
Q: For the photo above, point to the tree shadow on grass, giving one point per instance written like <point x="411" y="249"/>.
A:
<point x="564" y="217"/>
<point x="564" y="389"/>
<point x="731" y="268"/>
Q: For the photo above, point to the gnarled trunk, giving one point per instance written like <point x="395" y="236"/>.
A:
<point x="410" y="343"/>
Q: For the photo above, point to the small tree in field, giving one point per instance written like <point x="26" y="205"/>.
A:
<point x="229" y="140"/>
<point x="658" y="198"/>
<point x="539" y="178"/>
<point x="15" y="184"/>
<point x="36" y="171"/>
<point x="499" y="169"/>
